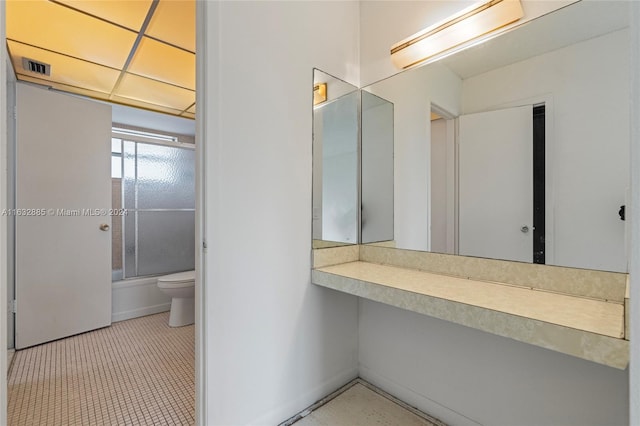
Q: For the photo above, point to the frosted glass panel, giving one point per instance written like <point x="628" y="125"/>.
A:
<point x="166" y="177"/>
<point x="159" y="195"/>
<point x="166" y="242"/>
<point x="130" y="245"/>
<point x="129" y="175"/>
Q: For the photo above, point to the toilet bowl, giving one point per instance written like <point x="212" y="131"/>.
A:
<point x="181" y="288"/>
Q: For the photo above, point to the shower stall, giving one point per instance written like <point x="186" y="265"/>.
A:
<point x="153" y="222"/>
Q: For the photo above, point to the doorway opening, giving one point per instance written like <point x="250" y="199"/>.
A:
<point x="539" y="184"/>
<point x="443" y="181"/>
<point x="187" y="112"/>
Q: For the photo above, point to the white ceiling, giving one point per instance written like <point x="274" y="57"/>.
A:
<point x="574" y="23"/>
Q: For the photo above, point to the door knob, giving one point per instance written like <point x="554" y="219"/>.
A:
<point x="104" y="227"/>
<point x="524" y="229"/>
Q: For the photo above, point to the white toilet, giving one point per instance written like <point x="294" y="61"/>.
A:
<point x="181" y="288"/>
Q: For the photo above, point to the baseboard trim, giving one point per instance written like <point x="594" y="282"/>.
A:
<point x="302" y="414"/>
<point x="140" y="312"/>
<point x="414" y="399"/>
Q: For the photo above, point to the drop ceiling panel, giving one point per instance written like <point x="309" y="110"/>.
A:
<point x="64" y="69"/>
<point x="190" y="112"/>
<point x="144" y="105"/>
<point x="87" y="43"/>
<point x="165" y="63"/>
<point x="63" y="30"/>
<point x="169" y="21"/>
<point x="154" y="92"/>
<point x="129" y="14"/>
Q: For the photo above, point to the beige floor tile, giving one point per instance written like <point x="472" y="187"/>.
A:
<point x="133" y="372"/>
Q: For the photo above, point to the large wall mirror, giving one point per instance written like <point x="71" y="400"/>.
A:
<point x="336" y="181"/>
<point x="352" y="164"/>
<point x="518" y="148"/>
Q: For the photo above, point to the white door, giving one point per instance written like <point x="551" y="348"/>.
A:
<point x="496" y="184"/>
<point x="63" y="271"/>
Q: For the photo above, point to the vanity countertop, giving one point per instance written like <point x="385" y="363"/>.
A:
<point x="589" y="328"/>
<point x="596" y="316"/>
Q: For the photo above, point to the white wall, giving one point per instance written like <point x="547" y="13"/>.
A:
<point x="3" y="223"/>
<point x="274" y="342"/>
<point x="136" y="117"/>
<point x="412" y="94"/>
<point x="588" y="86"/>
<point x="469" y="377"/>
<point x="634" y="369"/>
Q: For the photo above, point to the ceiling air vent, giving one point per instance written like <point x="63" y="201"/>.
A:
<point x="36" y="67"/>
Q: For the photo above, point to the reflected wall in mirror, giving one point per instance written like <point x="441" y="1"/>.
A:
<point x="352" y="181"/>
<point x="494" y="174"/>
<point x="335" y="163"/>
<point x="377" y="169"/>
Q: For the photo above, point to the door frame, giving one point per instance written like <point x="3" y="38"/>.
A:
<point x="200" y="365"/>
<point x="451" y="191"/>
<point x="4" y="240"/>
<point x="202" y="10"/>
<point x="547" y="100"/>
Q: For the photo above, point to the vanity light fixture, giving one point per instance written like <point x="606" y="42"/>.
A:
<point x="319" y="93"/>
<point x="469" y="24"/>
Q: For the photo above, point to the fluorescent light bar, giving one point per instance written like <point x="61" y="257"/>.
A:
<point x="146" y="135"/>
<point x="469" y="24"/>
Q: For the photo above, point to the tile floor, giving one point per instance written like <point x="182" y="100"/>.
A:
<point x="141" y="372"/>
<point x="136" y="372"/>
<point x="362" y="404"/>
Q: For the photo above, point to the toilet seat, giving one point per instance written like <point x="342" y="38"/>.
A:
<point x="179" y="279"/>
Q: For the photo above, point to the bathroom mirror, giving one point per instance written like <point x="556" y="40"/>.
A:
<point x="346" y="172"/>
<point x="377" y="169"/>
<point x="518" y="148"/>
<point x="335" y="161"/>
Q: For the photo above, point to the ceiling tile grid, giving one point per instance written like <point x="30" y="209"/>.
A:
<point x="130" y="14"/>
<point x="169" y="20"/>
<point x="135" y="52"/>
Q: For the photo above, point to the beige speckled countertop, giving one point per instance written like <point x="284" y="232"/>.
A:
<point x="595" y="316"/>
<point x="588" y="328"/>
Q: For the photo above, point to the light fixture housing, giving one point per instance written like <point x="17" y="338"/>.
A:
<point x="319" y="93"/>
<point x="467" y="25"/>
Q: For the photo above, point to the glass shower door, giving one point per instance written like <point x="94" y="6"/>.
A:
<point x="159" y="196"/>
